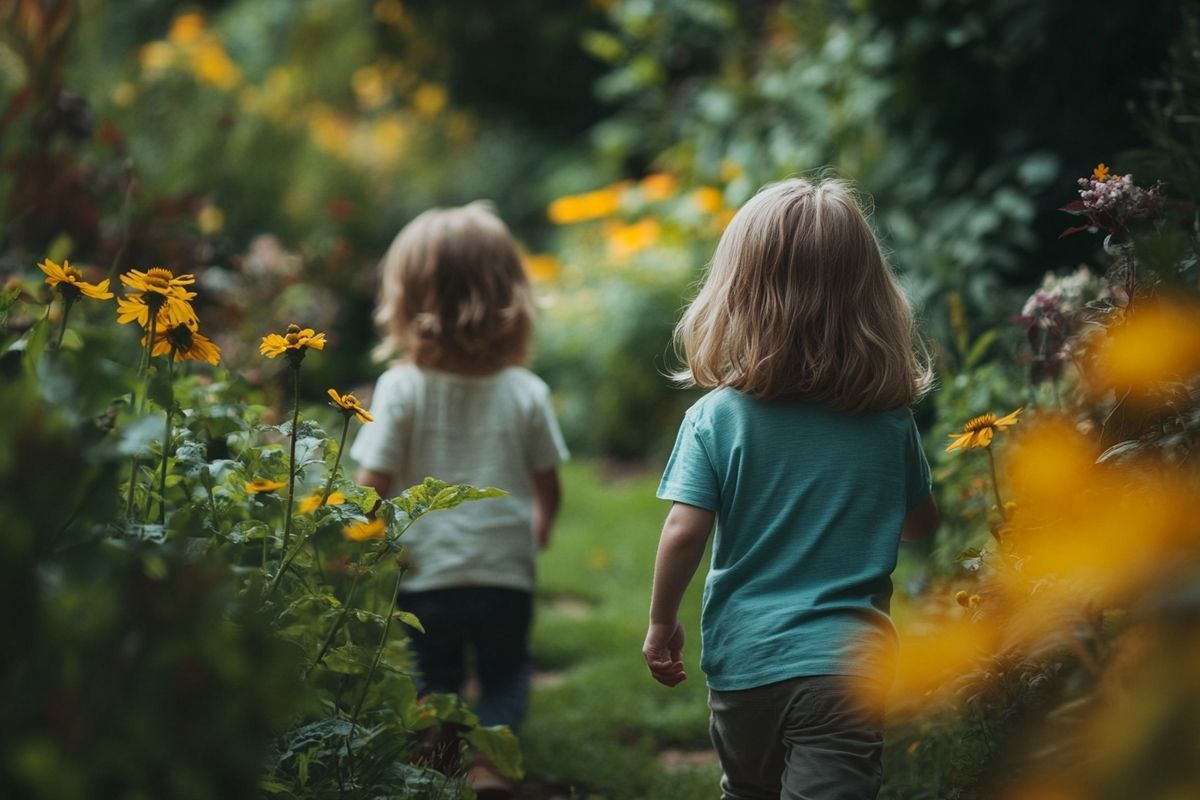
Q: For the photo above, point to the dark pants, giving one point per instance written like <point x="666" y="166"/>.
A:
<point x="810" y="738"/>
<point x="491" y="622"/>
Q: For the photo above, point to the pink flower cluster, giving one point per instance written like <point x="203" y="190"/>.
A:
<point x="1111" y="201"/>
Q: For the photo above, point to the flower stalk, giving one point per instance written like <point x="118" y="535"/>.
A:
<point x="287" y="524"/>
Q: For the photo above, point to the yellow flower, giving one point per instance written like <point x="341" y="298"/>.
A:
<point x="70" y="281"/>
<point x="1101" y="172"/>
<point x="186" y="343"/>
<point x="296" y="338"/>
<point x="979" y="431"/>
<point x="264" y="486"/>
<point x="313" y="502"/>
<point x="590" y="205"/>
<point x="708" y="199"/>
<point x="659" y="186"/>
<point x="210" y="220"/>
<point x="1156" y="346"/>
<point x="429" y="99"/>
<point x="186" y="29"/>
<point x="542" y="267"/>
<point x="156" y="290"/>
<point x="362" y="531"/>
<point x="627" y="240"/>
<point x="349" y="405"/>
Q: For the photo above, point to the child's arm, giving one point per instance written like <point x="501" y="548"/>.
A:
<point x="379" y="481"/>
<point x="547" y="496"/>
<point x="680" y="549"/>
<point x="921" y="520"/>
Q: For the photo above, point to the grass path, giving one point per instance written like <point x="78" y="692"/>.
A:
<point x="599" y="726"/>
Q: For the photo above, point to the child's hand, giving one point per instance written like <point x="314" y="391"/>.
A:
<point x="663" y="650"/>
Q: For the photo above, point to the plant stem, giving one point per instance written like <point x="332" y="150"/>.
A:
<point x="162" y="479"/>
<point x="996" y="485"/>
<point x="143" y="369"/>
<point x="362" y="698"/>
<point x="212" y="503"/>
<point x="337" y="459"/>
<point x="287" y="524"/>
<point x="337" y="626"/>
<point x="67" y="303"/>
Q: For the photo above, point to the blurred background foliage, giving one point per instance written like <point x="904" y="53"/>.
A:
<point x="274" y="148"/>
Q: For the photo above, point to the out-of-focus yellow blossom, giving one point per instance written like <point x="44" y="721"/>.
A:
<point x="213" y="66"/>
<point x="330" y="130"/>
<point x="1156" y="345"/>
<point x="370" y="89"/>
<point x="124" y="94"/>
<point x="156" y="57"/>
<point x="70" y="283"/>
<point x="389" y="135"/>
<point x="708" y="199"/>
<point x="730" y="170"/>
<point x="979" y="431"/>
<point x="659" y="186"/>
<point x="930" y="659"/>
<point x="313" y="502"/>
<point x="542" y="267"/>
<point x="625" y="241"/>
<point x="264" y="486"/>
<point x="186" y="29"/>
<point x="587" y="206"/>
<point x="429" y="99"/>
<point x="722" y="219"/>
<point x="1051" y="460"/>
<point x="365" y="531"/>
<point x="210" y="220"/>
<point x="1047" y="790"/>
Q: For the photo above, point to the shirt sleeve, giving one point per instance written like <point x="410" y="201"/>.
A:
<point x="690" y="477"/>
<point x="547" y="448"/>
<point x="377" y="446"/>
<point x="918" y="478"/>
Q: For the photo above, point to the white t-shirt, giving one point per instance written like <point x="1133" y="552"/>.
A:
<point x="492" y="430"/>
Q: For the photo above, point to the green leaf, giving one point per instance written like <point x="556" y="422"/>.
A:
<point x="979" y="348"/>
<point x="410" y="619"/>
<point x="499" y="745"/>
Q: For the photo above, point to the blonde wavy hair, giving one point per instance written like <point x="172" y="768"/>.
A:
<point x="453" y="293"/>
<point x="800" y="303"/>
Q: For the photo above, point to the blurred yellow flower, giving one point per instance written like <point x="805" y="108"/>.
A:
<point x="1101" y="172"/>
<point x="370" y="89"/>
<point x="708" y="199"/>
<point x="157" y="291"/>
<point x="213" y="66"/>
<point x="659" y="186"/>
<point x="70" y="283"/>
<point x="210" y="220"/>
<point x="186" y="343"/>
<point x="124" y="94"/>
<point x="429" y="99"/>
<point x="1156" y="345"/>
<point x="313" y="502"/>
<point x="625" y="241"/>
<point x="186" y="29"/>
<point x="296" y="338"/>
<point x="364" y="531"/>
<point x="589" y="205"/>
<point x="330" y="130"/>
<point x="348" y="404"/>
<point x="1052" y="459"/>
<point x="730" y="169"/>
<point x="542" y="267"/>
<point x="389" y="12"/>
<point x="723" y="218"/>
<point x="156" y="57"/>
<point x="931" y="658"/>
<point x="979" y="431"/>
<point x="264" y="486"/>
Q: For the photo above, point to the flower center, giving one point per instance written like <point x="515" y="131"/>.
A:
<point x="158" y="279"/>
<point x="980" y="422"/>
<point x="72" y="274"/>
<point x="180" y="338"/>
<point x="350" y="400"/>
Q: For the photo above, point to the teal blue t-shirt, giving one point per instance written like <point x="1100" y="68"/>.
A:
<point x="809" y="505"/>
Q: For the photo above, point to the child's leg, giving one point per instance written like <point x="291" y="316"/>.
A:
<point x="809" y="738"/>
<point x="441" y="650"/>
<point x="501" y="640"/>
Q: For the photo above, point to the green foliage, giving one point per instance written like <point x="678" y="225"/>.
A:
<point x="196" y="657"/>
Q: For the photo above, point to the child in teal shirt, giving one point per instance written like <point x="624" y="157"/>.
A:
<point x="807" y="458"/>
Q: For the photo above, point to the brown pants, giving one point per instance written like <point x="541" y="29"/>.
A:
<point x="809" y="738"/>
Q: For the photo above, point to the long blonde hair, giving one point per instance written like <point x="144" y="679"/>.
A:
<point x="454" y="294"/>
<point x="800" y="303"/>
